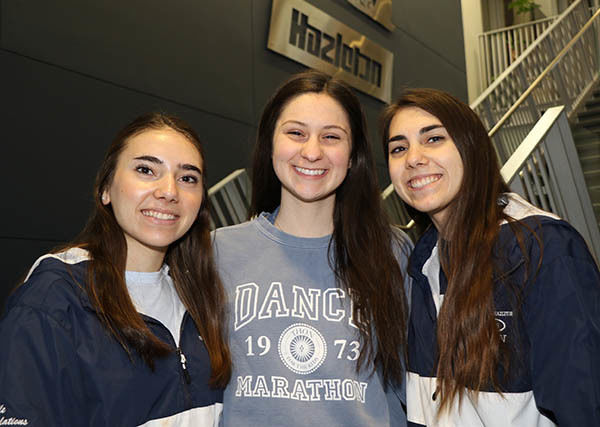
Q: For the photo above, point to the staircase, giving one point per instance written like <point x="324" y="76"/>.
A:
<point x="586" y="133"/>
<point x="561" y="67"/>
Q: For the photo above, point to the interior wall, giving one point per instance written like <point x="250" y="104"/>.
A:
<point x="474" y="17"/>
<point x="74" y="72"/>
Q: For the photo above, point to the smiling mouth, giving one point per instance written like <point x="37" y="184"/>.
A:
<point x="422" y="182"/>
<point x="313" y="172"/>
<point x="158" y="215"/>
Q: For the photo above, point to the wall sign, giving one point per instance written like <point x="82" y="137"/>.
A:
<point x="308" y="35"/>
<point x="378" y="10"/>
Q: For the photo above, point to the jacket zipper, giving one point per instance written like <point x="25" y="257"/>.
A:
<point x="182" y="359"/>
<point x="186" y="374"/>
<point x="184" y="369"/>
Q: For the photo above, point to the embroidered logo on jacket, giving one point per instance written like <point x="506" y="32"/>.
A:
<point x="502" y="322"/>
<point x="11" y="421"/>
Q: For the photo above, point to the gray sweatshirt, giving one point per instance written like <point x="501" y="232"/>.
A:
<point x="293" y="340"/>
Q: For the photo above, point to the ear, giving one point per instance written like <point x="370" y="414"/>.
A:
<point x="349" y="163"/>
<point x="105" y="197"/>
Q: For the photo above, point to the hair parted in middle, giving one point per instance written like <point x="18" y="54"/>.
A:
<point x="364" y="261"/>
<point x="468" y="339"/>
<point x="190" y="260"/>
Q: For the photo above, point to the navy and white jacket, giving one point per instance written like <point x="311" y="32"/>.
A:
<point x="554" y="338"/>
<point x="59" y="366"/>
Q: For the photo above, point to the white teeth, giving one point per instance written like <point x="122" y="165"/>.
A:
<point x="158" y="215"/>
<point x="310" y="171"/>
<point x="422" y="182"/>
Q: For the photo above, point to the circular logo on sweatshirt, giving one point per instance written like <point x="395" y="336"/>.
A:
<point x="302" y="348"/>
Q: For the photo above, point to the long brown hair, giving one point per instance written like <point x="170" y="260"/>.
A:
<point x="468" y="339"/>
<point x="190" y="261"/>
<point x="364" y="261"/>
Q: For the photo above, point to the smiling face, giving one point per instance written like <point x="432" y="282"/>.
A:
<point x="156" y="192"/>
<point x="311" y="149"/>
<point x="424" y="164"/>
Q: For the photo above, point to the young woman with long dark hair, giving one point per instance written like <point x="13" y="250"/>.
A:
<point x="504" y="327"/>
<point x="124" y="326"/>
<point x="316" y="279"/>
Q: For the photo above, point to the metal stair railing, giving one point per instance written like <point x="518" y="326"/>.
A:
<point x="500" y="48"/>
<point x="564" y="80"/>
<point x="396" y="211"/>
<point x="546" y="171"/>
<point x="230" y="199"/>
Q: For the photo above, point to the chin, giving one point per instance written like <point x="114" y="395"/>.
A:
<point x="161" y="244"/>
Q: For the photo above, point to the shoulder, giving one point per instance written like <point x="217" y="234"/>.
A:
<point x="54" y="283"/>
<point x="546" y="237"/>
<point x="235" y="237"/>
<point x="559" y="238"/>
<point x="542" y="233"/>
<point x="223" y="234"/>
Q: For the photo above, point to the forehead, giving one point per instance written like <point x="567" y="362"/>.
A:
<point x="314" y="108"/>
<point x="412" y="118"/>
<point x="165" y="144"/>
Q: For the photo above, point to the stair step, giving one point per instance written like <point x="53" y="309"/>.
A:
<point x="592" y="103"/>
<point x="590" y="161"/>
<point x="579" y="130"/>
<point x="588" y="151"/>
<point x="588" y="121"/>
<point x="585" y="139"/>
<point x="594" y="192"/>
<point x="596" y="207"/>
<point x="592" y="178"/>
<point x="593" y="112"/>
<point x="592" y="125"/>
<point x="586" y="134"/>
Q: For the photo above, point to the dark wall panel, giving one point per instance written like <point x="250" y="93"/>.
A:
<point x="436" y="25"/>
<point x="73" y="72"/>
<point x="171" y="49"/>
<point x="56" y="141"/>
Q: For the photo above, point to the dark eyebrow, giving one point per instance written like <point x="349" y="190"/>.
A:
<point x="150" y="159"/>
<point x="156" y="160"/>
<point x="421" y="132"/>
<point x="336" y="127"/>
<point x="189" y="167"/>
<point x="396" y="138"/>
<point x="428" y="128"/>
<point x="324" y="127"/>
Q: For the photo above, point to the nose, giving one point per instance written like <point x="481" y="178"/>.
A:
<point x="167" y="189"/>
<point x="415" y="156"/>
<point x="311" y="149"/>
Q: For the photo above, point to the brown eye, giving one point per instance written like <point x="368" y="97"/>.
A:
<point x="144" y="170"/>
<point x="190" y="179"/>
<point x="435" y="139"/>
